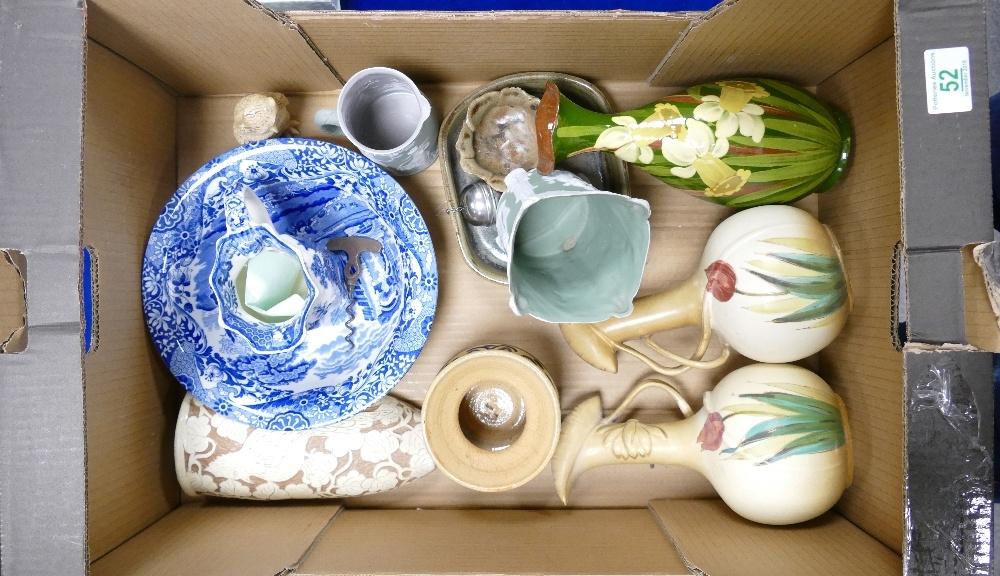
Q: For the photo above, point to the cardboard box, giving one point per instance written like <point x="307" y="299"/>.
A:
<point x="106" y="108"/>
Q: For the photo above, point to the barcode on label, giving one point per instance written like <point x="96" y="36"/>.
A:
<point x="949" y="83"/>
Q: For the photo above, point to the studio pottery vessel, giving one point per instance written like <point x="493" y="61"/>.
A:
<point x="491" y="418"/>
<point x="574" y="253"/>
<point x="498" y="135"/>
<point x="373" y="451"/>
<point x="773" y="439"/>
<point x="739" y="143"/>
<point x="771" y="284"/>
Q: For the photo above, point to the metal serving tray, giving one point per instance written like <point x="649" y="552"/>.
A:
<point x="479" y="244"/>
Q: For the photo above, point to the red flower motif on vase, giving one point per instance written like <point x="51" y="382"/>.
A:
<point x="721" y="280"/>
<point x="710" y="436"/>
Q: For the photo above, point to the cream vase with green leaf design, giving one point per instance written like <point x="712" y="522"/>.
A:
<point x="740" y="143"/>
<point x="773" y="439"/>
<point x="771" y="285"/>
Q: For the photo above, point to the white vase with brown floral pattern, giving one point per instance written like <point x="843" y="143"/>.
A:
<point x="373" y="451"/>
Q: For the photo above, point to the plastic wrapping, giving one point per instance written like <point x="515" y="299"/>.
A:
<point x="949" y="484"/>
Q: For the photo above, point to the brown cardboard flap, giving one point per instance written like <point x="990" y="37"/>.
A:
<point x="801" y="40"/>
<point x="483" y="46"/>
<point x="982" y="299"/>
<point x="207" y="539"/>
<point x="217" y="47"/>
<point x="713" y="540"/>
<point x="13" y="302"/>
<point x="131" y="400"/>
<point x="862" y="364"/>
<point x="493" y="542"/>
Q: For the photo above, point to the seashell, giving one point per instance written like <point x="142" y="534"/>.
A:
<point x="261" y="116"/>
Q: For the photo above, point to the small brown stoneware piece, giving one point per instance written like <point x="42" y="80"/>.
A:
<point x="491" y="418"/>
<point x="499" y="135"/>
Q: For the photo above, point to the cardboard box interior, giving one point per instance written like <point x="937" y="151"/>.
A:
<point x="161" y="82"/>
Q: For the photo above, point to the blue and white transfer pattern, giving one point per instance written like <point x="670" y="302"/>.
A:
<point x="314" y="192"/>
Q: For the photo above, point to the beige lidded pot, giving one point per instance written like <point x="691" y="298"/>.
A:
<point x="492" y="418"/>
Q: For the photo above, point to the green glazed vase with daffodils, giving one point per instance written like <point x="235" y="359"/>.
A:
<point x="740" y="143"/>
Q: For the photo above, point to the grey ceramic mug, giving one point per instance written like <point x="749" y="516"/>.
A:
<point x="384" y="114"/>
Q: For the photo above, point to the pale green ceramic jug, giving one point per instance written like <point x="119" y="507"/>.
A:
<point x="575" y="253"/>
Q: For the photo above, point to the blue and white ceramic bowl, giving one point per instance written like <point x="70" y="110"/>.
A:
<point x="313" y="192"/>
